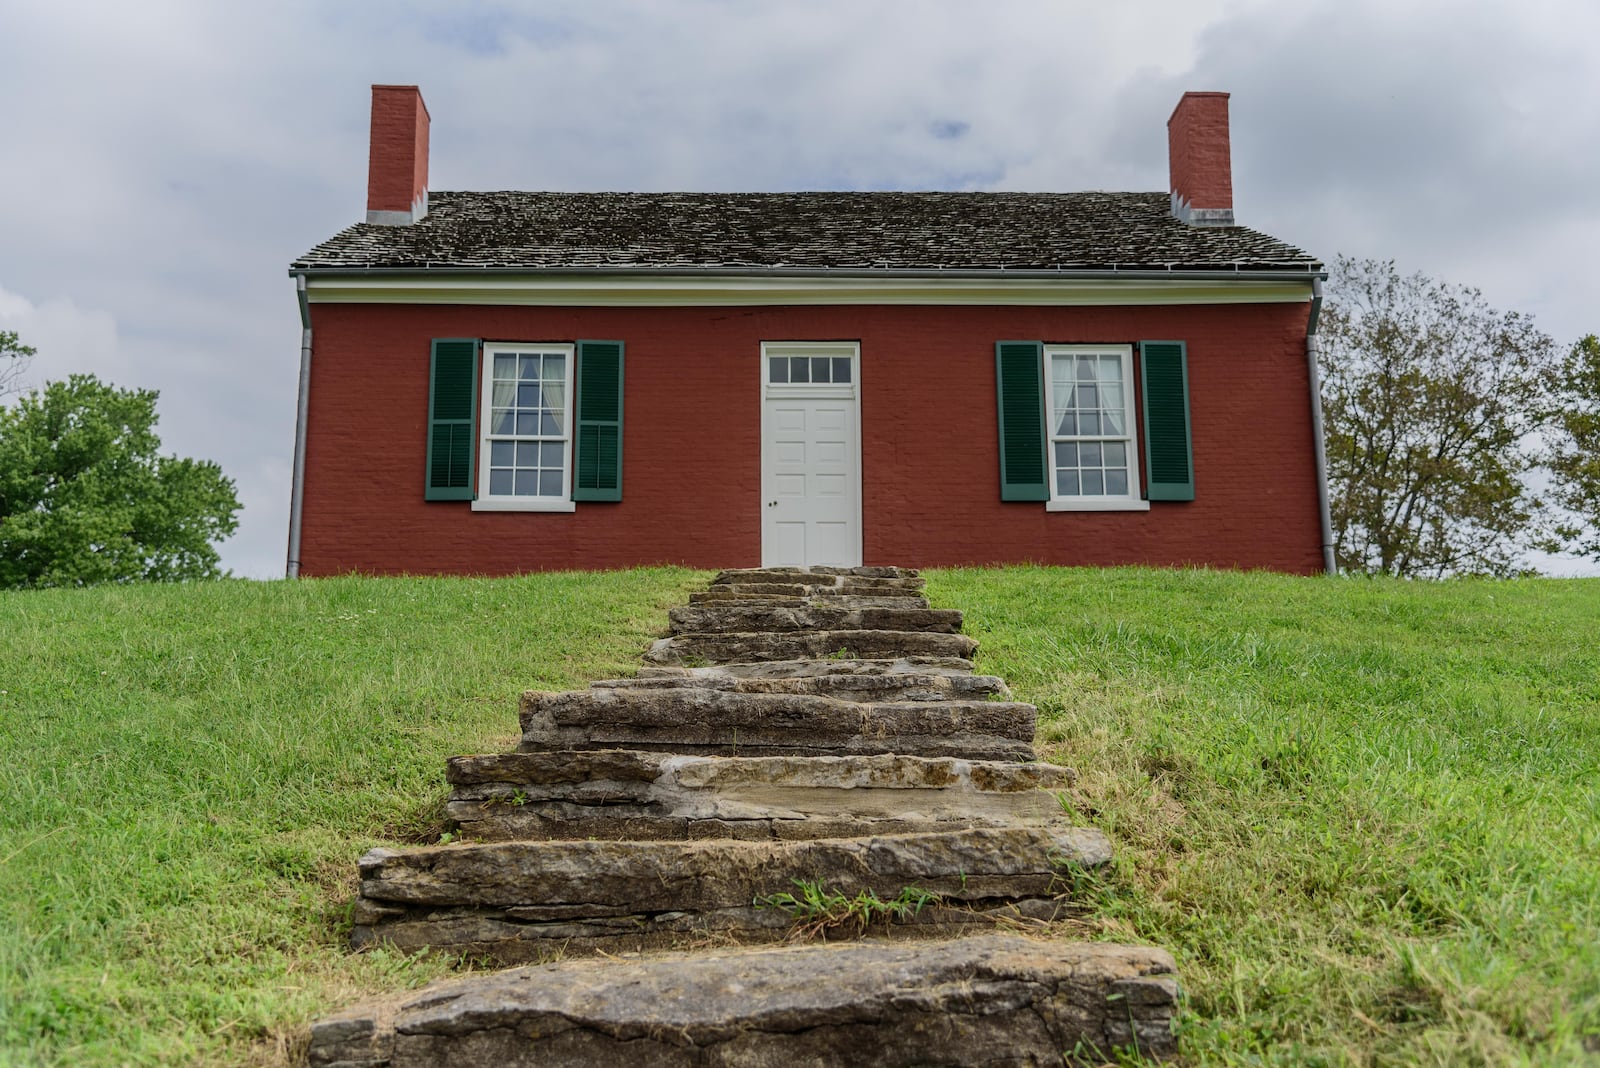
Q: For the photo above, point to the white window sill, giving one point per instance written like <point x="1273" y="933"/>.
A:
<point x="1097" y="504"/>
<point x="522" y="504"/>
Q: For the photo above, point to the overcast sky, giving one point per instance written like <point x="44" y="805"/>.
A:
<point x="163" y="162"/>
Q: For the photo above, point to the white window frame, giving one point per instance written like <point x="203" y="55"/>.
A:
<point x="1129" y="502"/>
<point x="486" y="501"/>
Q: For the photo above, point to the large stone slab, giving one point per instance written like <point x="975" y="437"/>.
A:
<point x="844" y="685"/>
<point x="514" y="901"/>
<point x="741" y="617"/>
<point x="816" y="574"/>
<point x="994" y="1000"/>
<point x="952" y="666"/>
<point x="639" y="795"/>
<point x="707" y="722"/>
<point x="691" y="649"/>
<point x="779" y="593"/>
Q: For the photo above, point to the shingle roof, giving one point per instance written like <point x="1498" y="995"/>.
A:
<point x="776" y="231"/>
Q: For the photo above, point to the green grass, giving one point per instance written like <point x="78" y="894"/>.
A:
<point x="1365" y="816"/>
<point x="187" y="774"/>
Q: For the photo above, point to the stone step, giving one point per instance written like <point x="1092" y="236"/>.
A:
<point x="513" y="901"/>
<point x="796" y="592"/>
<point x="763" y="574"/>
<point x="842" y="686"/>
<point x="640" y="795"/>
<point x="818" y="579"/>
<point x="706" y="722"/>
<point x="802" y="645"/>
<point x="950" y="666"/>
<point x="991" y="1000"/>
<point x="773" y="619"/>
<point x="808" y="595"/>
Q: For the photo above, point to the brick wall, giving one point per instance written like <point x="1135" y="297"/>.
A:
<point x="692" y="473"/>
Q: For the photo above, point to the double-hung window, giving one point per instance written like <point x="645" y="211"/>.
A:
<point x="525" y="463"/>
<point x="1092" y="442"/>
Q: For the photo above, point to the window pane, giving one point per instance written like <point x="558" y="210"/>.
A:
<point x="527" y="454"/>
<point x="505" y="394"/>
<point x="1116" y="454"/>
<point x="499" y="483"/>
<point x="1113" y="422"/>
<point x="1066" y="454"/>
<point x="1086" y="368"/>
<point x="527" y="422"/>
<point x="549" y="483"/>
<point x="502" y="422"/>
<point x="1093" y="485"/>
<point x="527" y="396"/>
<point x="530" y="368"/>
<point x="550" y="424"/>
<point x="820" y="367"/>
<point x="527" y="484"/>
<point x="1089" y="423"/>
<point x="800" y="369"/>
<point x="555" y="395"/>
<point x="1090" y="452"/>
<point x="1061" y="369"/>
<point x="1110" y="369"/>
<point x="1069" y="424"/>
<point x="505" y="366"/>
<point x="552" y="454"/>
<point x="778" y="368"/>
<point x="1088" y="397"/>
<point x="1111" y="397"/>
<point x="841" y="368"/>
<point x="555" y="368"/>
<point x="1067" y="483"/>
<point x="500" y="453"/>
<point x="1117" y="483"/>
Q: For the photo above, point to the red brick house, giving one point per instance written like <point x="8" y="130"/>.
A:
<point x="503" y="382"/>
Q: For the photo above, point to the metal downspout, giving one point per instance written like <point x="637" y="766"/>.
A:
<point x="1313" y="349"/>
<point x="297" y="494"/>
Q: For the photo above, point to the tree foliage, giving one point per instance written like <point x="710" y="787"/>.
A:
<point x="14" y="358"/>
<point x="85" y="499"/>
<point x="1575" y="453"/>
<point x="1431" y="404"/>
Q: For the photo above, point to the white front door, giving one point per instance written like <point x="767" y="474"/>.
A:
<point x="810" y="454"/>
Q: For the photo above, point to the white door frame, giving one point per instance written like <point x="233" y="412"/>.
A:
<point x="830" y="391"/>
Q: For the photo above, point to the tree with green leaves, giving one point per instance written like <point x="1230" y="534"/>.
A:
<point x="1575" y="454"/>
<point x="1432" y="400"/>
<point x="85" y="499"/>
<point x="14" y="357"/>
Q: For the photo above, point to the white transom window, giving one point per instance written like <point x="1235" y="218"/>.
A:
<point x="525" y="455"/>
<point x="1094" y="461"/>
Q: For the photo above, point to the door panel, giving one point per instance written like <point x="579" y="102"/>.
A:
<point x="810" y="472"/>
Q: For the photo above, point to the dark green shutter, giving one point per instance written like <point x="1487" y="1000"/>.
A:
<point x="1019" y="370"/>
<point x="1168" y="452"/>
<point x="597" y="463"/>
<point x="452" y="419"/>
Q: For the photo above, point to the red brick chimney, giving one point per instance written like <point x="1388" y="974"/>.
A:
<point x="1198" y="157"/>
<point x="397" y="164"/>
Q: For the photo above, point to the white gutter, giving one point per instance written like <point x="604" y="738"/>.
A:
<point x="297" y="493"/>
<point x="1313" y="350"/>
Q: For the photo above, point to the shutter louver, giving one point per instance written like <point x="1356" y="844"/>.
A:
<point x="1019" y="371"/>
<point x="1168" y="449"/>
<point x="452" y="422"/>
<point x="597" y="461"/>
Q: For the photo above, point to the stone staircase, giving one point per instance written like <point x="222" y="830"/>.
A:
<point x="810" y="750"/>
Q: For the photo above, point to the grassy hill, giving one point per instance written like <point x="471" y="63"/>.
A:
<point x="1365" y="815"/>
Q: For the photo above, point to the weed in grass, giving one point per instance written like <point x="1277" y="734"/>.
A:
<point x="818" y="910"/>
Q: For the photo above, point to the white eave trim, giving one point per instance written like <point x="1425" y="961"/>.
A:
<point x="580" y="289"/>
